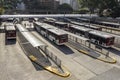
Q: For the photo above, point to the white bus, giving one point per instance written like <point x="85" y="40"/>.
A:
<point x="10" y="31"/>
<point x="54" y="34"/>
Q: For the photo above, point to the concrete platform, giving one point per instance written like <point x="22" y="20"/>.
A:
<point x="91" y="53"/>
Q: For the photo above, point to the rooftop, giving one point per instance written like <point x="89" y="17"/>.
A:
<point x="57" y="31"/>
<point x="81" y="28"/>
<point x="100" y="34"/>
<point x="51" y="28"/>
<point x="10" y="27"/>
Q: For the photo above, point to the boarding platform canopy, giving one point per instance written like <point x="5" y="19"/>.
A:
<point x="30" y="37"/>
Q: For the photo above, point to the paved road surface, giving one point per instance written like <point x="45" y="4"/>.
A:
<point x="14" y="65"/>
<point x="81" y="66"/>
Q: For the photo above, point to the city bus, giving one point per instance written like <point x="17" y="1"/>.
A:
<point x="53" y="34"/>
<point x="81" y="31"/>
<point x="96" y="37"/>
<point x="61" y="25"/>
<point x="10" y="32"/>
<point x="102" y="39"/>
<point x="58" y="24"/>
<point x="93" y="27"/>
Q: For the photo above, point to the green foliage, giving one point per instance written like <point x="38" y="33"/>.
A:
<point x="7" y="4"/>
<point x="90" y="4"/>
<point x="35" y="4"/>
<point x="115" y="12"/>
<point x="1" y="10"/>
<point x="112" y="6"/>
<point x="82" y="11"/>
<point x="65" y="7"/>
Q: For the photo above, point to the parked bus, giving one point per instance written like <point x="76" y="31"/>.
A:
<point x="49" y="22"/>
<point x="10" y="31"/>
<point x="93" y="27"/>
<point x="54" y="34"/>
<point x="104" y="23"/>
<point x="96" y="37"/>
<point x="86" y="32"/>
<point x="61" y="25"/>
<point x="108" y="24"/>
<point x="81" y="31"/>
<point x="101" y="38"/>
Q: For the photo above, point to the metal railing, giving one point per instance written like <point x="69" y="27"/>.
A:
<point x="30" y="50"/>
<point x="50" y="55"/>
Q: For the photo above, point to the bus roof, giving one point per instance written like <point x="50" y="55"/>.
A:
<point x="8" y="23"/>
<point x="91" y="26"/>
<point x="77" y="23"/>
<point x="44" y="25"/>
<point x="81" y="28"/>
<point x="22" y="29"/>
<point x="101" y="34"/>
<point x="115" y="24"/>
<point x="60" y="22"/>
<point x="84" y="19"/>
<point x="10" y="27"/>
<point x="51" y="19"/>
<point x="51" y="28"/>
<point x="57" y="31"/>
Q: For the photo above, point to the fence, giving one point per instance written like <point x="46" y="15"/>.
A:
<point x="30" y="50"/>
<point x="49" y="54"/>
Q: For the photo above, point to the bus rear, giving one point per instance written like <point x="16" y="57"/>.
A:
<point x="10" y="32"/>
<point x="63" y="39"/>
<point x="110" y="41"/>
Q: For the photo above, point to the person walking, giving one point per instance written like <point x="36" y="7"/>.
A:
<point x="107" y="54"/>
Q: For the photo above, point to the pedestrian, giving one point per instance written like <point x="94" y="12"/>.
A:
<point x="107" y="54"/>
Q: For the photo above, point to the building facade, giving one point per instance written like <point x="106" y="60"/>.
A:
<point x="74" y="4"/>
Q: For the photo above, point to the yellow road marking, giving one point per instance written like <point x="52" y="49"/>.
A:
<point x="32" y="58"/>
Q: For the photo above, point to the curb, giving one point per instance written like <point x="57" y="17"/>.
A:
<point x="112" y="62"/>
<point x="85" y="52"/>
<point x="51" y="69"/>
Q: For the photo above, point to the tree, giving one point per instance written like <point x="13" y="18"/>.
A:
<point x="10" y="4"/>
<point x="2" y="7"/>
<point x="7" y="4"/>
<point x="112" y="6"/>
<point x="35" y="4"/>
<point x="2" y="10"/>
<point x="65" y="7"/>
<point x="90" y="4"/>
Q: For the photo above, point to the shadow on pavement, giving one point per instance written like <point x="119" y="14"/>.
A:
<point x="2" y="31"/>
<point x="10" y="42"/>
<point x="37" y="67"/>
<point x="113" y="50"/>
<point x="65" y="49"/>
